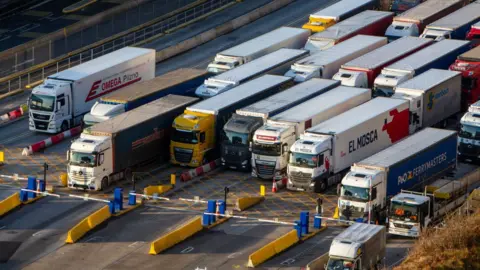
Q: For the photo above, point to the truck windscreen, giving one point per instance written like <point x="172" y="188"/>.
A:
<point x="183" y="136"/>
<point x="42" y="103"/>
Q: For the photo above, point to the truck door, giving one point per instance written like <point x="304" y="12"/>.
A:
<point x="61" y="109"/>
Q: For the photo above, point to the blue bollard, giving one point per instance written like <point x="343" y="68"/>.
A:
<point x="23" y="196"/>
<point x="132" y="198"/>
<point x="32" y="185"/>
<point x="211" y="207"/>
<point x="118" y="198"/>
<point x="222" y="206"/>
<point x="317" y="222"/>
<point x="205" y="220"/>
<point x="298" y="227"/>
<point x="304" y="221"/>
<point x="111" y="206"/>
<point x="42" y="185"/>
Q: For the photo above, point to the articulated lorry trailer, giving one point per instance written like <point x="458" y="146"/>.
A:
<point x="271" y="142"/>
<point x="468" y="64"/>
<point x="326" y="63"/>
<point x="469" y="135"/>
<point x="413" y="21"/>
<point x="439" y="55"/>
<point x="455" y="25"/>
<point x="283" y="37"/>
<point x="323" y="154"/>
<point x="240" y="129"/>
<point x="180" y="82"/>
<point x="360" y="246"/>
<point x="362" y="71"/>
<point x="324" y="18"/>
<point x="60" y="102"/>
<point x="368" y="22"/>
<point x="198" y="131"/>
<point x="111" y="150"/>
<point x="411" y="163"/>
<point x="434" y="97"/>
<point x="275" y="63"/>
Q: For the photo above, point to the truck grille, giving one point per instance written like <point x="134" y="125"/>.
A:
<point x="299" y="177"/>
<point x="41" y="116"/>
<point x="403" y="226"/>
<point x="41" y="125"/>
<point x="183" y="155"/>
<point x="265" y="170"/>
<point x="468" y="149"/>
<point x="78" y="178"/>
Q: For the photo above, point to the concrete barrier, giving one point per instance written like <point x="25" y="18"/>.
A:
<point x="13" y="115"/>
<point x="88" y="224"/>
<point x="273" y="248"/>
<point x="51" y="141"/>
<point x="223" y="29"/>
<point x="246" y="202"/>
<point x="318" y="263"/>
<point x="189" y="175"/>
<point x="178" y="235"/>
<point x="10" y="203"/>
<point x="150" y="190"/>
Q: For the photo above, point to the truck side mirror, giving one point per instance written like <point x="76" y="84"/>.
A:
<point x="250" y="146"/>
<point x="68" y="155"/>
<point x="284" y="148"/>
<point x="339" y="188"/>
<point x="374" y="193"/>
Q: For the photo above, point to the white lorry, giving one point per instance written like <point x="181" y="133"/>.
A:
<point x="326" y="63"/>
<point x="275" y="63"/>
<point x="360" y="246"/>
<point x="60" y="102"/>
<point x="410" y="164"/>
<point x="439" y="55"/>
<point x="283" y="37"/>
<point x="325" y="152"/>
<point x="434" y="97"/>
<point x="469" y="135"/>
<point x="271" y="142"/>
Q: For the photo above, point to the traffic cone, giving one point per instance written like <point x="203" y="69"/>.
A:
<point x="274" y="186"/>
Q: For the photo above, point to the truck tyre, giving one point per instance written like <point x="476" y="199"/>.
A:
<point x="64" y="126"/>
<point x="320" y="186"/>
<point x="104" y="183"/>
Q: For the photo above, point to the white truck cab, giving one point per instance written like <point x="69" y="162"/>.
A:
<point x="102" y="111"/>
<point x="416" y="109"/>
<point x="213" y="87"/>
<point x="387" y="80"/>
<point x="352" y="78"/>
<point x="87" y="165"/>
<point x="400" y="29"/>
<point x="436" y="35"/>
<point x="303" y="73"/>
<point x="406" y="212"/>
<point x="222" y="63"/>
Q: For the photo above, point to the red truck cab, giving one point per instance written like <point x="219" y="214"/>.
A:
<point x="469" y="65"/>
<point x="474" y="34"/>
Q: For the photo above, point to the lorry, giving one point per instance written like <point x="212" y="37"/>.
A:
<point x="368" y="22"/>
<point x="455" y="25"/>
<point x="283" y="37"/>
<point x="326" y="17"/>
<point x="362" y="71"/>
<point x="199" y="130"/>
<point x="60" y="102"/>
<point x="272" y="142"/>
<point x="438" y="55"/>
<point x="399" y="6"/>
<point x="326" y="63"/>
<point x="469" y="135"/>
<point x="411" y="163"/>
<point x="180" y="82"/>
<point x="323" y="154"/>
<point x="109" y="151"/>
<point x="412" y="212"/>
<point x="413" y="21"/>
<point x="434" y="98"/>
<point x="360" y="246"/>
<point x="474" y="34"/>
<point x="241" y="127"/>
<point x="275" y="63"/>
<point x="468" y="64"/>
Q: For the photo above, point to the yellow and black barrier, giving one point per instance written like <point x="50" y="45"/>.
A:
<point x="87" y="224"/>
<point x="10" y="203"/>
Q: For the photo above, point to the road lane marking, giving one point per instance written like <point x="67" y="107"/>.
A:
<point x="187" y="250"/>
<point x="233" y="255"/>
<point x="135" y="244"/>
<point x="288" y="261"/>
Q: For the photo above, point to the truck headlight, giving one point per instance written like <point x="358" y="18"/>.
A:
<point x="245" y="162"/>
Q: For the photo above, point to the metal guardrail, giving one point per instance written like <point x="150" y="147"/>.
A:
<point x="128" y="38"/>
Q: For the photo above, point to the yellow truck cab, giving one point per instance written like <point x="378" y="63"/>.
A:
<point x="195" y="132"/>
<point x="324" y="18"/>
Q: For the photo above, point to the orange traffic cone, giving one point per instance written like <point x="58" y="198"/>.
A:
<point x="274" y="186"/>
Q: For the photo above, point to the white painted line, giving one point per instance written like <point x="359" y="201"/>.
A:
<point x="87" y="198"/>
<point x="40" y="4"/>
<point x="233" y="255"/>
<point x="44" y="193"/>
<point x="37" y="233"/>
<point x="93" y="239"/>
<point x="135" y="244"/>
<point x="288" y="261"/>
<point x="187" y="250"/>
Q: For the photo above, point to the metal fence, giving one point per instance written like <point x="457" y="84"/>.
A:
<point x="56" y="49"/>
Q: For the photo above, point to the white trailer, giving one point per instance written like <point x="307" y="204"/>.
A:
<point x="325" y="64"/>
<point x="434" y="96"/>
<point x="360" y="246"/>
<point x="369" y="22"/>
<point x="322" y="155"/>
<point x="283" y="37"/>
<point x="275" y="63"/>
<point x="60" y="102"/>
<point x="271" y="143"/>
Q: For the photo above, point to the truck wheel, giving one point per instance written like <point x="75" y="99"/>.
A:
<point x="104" y="183"/>
<point x="320" y="186"/>
<point x="64" y="126"/>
